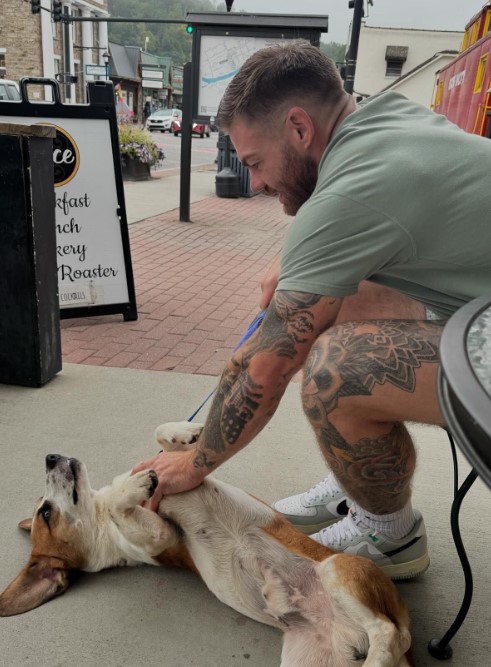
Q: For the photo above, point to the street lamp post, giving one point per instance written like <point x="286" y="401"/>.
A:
<point x="352" y="55"/>
<point x="106" y="58"/>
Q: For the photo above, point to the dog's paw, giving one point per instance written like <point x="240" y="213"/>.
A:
<point x="174" y="436"/>
<point x="139" y="487"/>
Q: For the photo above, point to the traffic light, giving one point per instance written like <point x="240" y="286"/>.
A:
<point x="189" y="29"/>
<point x="35" y="6"/>
<point x="57" y="11"/>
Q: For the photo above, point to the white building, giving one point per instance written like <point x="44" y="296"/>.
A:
<point x="403" y="59"/>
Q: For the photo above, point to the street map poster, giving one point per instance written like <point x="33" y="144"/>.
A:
<point x="221" y="57"/>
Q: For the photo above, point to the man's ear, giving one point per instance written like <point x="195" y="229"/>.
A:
<point x="300" y="127"/>
<point x="39" y="581"/>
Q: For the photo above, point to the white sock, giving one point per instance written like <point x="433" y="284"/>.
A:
<point x="395" y="525"/>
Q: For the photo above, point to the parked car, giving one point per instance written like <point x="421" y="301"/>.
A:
<point x="162" y="119"/>
<point x="9" y="91"/>
<point x="201" y="129"/>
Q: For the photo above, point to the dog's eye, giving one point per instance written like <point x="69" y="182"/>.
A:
<point x="45" y="512"/>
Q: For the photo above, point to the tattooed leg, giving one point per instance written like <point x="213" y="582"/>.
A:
<point x="361" y="381"/>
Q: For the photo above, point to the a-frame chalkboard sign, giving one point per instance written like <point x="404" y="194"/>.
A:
<point x="95" y="275"/>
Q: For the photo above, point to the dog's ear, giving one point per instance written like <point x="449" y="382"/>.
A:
<point x="39" y="581"/>
<point x="26" y="524"/>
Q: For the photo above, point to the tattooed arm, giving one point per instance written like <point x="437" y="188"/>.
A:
<point x="250" y="388"/>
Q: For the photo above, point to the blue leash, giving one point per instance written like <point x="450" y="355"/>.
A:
<point x="250" y="330"/>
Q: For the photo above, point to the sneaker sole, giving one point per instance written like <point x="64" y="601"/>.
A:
<point x="312" y="528"/>
<point x="409" y="570"/>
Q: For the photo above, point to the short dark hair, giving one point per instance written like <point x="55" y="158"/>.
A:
<point x="293" y="72"/>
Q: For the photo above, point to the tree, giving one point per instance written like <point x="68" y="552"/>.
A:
<point x="334" y="50"/>
<point x="169" y="39"/>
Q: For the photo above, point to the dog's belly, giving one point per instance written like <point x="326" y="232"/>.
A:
<point x="222" y="528"/>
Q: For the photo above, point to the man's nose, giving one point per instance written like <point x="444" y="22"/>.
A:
<point x="256" y="183"/>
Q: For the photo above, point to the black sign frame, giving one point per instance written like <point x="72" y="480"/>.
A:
<point x="265" y="26"/>
<point x="100" y="106"/>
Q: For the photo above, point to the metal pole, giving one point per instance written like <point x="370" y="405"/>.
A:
<point x="67" y="57"/>
<point x="186" y="132"/>
<point x="352" y="55"/>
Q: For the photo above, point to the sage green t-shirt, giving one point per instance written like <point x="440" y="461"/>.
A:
<point x="403" y="199"/>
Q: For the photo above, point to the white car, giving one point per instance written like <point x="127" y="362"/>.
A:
<point x="162" y="119"/>
<point x="9" y="91"/>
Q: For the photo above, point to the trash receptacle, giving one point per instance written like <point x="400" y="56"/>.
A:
<point x="30" y="341"/>
<point x="236" y="165"/>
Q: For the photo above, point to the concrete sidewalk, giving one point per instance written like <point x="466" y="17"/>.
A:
<point x="149" y="616"/>
<point x="197" y="289"/>
<point x="146" y="199"/>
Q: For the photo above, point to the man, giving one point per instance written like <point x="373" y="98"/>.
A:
<point x="391" y="211"/>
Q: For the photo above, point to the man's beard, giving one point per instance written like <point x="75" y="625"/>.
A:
<point x="299" y="178"/>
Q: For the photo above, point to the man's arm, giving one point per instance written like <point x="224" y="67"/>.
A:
<point x="250" y="388"/>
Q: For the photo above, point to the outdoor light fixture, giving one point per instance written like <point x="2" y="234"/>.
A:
<point x="106" y="58"/>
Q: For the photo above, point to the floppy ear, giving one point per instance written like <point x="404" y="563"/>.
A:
<point x="26" y="524"/>
<point x="39" y="581"/>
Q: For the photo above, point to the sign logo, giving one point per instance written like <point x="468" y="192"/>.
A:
<point x="66" y="157"/>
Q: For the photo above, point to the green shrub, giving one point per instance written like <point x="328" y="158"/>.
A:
<point x="138" y="144"/>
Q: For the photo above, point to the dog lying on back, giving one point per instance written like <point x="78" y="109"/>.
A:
<point x="334" y="609"/>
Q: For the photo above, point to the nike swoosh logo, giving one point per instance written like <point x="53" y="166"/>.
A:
<point x="342" y="508"/>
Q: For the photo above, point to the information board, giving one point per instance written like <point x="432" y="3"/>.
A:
<point x="94" y="263"/>
<point x="222" y="42"/>
<point x="221" y="58"/>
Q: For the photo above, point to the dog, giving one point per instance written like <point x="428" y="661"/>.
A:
<point x="335" y="609"/>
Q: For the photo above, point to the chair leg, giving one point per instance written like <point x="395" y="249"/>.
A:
<point x="440" y="648"/>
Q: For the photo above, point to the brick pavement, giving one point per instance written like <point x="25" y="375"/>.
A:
<point x="197" y="289"/>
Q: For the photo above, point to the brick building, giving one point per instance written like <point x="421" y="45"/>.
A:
<point x="32" y="45"/>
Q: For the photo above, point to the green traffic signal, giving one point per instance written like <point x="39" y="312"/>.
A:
<point x="189" y="29"/>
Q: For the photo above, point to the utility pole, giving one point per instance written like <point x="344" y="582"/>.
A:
<point x="352" y="55"/>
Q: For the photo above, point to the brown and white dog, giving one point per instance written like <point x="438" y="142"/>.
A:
<point x="335" y="609"/>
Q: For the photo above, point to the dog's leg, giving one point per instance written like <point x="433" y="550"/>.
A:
<point x="143" y="528"/>
<point x="371" y="600"/>
<point x="127" y="491"/>
<point x="174" y="436"/>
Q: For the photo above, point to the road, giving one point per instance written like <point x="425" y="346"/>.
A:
<point x="203" y="151"/>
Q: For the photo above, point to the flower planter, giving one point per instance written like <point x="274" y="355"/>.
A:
<point x="135" y="170"/>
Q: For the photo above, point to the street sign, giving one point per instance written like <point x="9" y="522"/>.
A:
<point x="96" y="70"/>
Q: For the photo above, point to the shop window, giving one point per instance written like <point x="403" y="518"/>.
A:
<point x="395" y="57"/>
<point x="393" y="68"/>
<point x="475" y="29"/>
<point x="487" y="23"/>
<point x="481" y="71"/>
<point x="439" y="93"/>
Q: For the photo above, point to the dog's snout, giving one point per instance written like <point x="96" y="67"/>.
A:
<point x="52" y="460"/>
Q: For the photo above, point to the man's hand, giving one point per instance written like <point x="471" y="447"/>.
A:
<point x="269" y="283"/>
<point x="176" y="474"/>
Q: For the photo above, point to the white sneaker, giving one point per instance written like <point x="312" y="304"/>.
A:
<point x="399" y="559"/>
<point x="317" y="508"/>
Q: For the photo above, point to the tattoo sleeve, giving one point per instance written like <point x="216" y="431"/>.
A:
<point x="255" y="379"/>
<point x="354" y="360"/>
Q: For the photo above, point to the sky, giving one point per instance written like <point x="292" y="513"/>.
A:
<point x="427" y="14"/>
